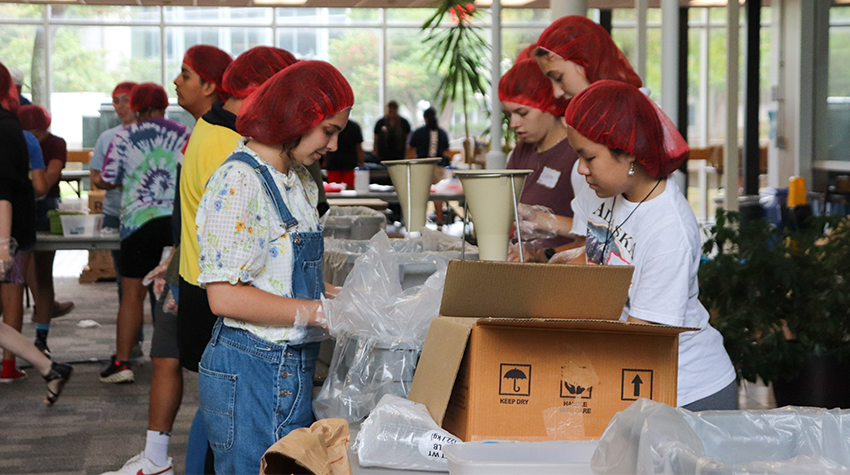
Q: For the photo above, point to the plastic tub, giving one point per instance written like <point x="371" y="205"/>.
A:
<point x="81" y="225"/>
<point x="354" y="222"/>
<point x="562" y="457"/>
<point x="417" y="258"/>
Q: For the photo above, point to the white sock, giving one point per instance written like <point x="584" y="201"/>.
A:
<point x="156" y="447"/>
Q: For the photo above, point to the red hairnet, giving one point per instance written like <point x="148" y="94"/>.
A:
<point x="294" y="101"/>
<point x="34" y="117"/>
<point x="586" y="43"/>
<point x="123" y="88"/>
<point x="252" y="68"/>
<point x="620" y="116"/>
<point x="525" y="84"/>
<point x="210" y="63"/>
<point x="8" y="91"/>
<point x="148" y="95"/>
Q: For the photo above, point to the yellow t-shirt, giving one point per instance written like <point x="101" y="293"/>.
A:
<point x="208" y="147"/>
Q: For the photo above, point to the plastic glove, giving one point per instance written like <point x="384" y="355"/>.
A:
<point x="568" y="256"/>
<point x="528" y="255"/>
<point x="537" y="222"/>
<point x="157" y="275"/>
<point x="310" y="323"/>
<point x="331" y="291"/>
<point x="170" y="305"/>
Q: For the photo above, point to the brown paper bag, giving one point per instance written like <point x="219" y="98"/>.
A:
<point x="321" y="449"/>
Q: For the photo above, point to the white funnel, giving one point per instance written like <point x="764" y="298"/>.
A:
<point x="492" y="197"/>
<point x="412" y="182"/>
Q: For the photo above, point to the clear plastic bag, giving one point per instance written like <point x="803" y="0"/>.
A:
<point x="653" y="438"/>
<point x="379" y="330"/>
<point x="401" y="434"/>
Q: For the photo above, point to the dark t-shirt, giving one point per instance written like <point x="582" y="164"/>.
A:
<point x="15" y="184"/>
<point x="392" y="139"/>
<point x="421" y="141"/>
<point x="549" y="185"/>
<point x="54" y="148"/>
<point x="345" y="157"/>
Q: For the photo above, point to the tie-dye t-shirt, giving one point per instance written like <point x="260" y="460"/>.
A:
<point x="143" y="158"/>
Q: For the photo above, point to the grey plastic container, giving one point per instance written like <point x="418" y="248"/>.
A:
<point x="417" y="258"/>
<point x="354" y="222"/>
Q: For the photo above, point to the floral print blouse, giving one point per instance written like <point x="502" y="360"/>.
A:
<point x="241" y="237"/>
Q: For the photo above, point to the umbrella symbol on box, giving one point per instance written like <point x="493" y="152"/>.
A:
<point x="515" y="374"/>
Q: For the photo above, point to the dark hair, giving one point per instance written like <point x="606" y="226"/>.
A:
<point x="289" y="147"/>
<point x="430" y="116"/>
<point x="541" y="51"/>
<point x="392" y="105"/>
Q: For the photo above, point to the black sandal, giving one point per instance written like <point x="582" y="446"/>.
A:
<point x="56" y="379"/>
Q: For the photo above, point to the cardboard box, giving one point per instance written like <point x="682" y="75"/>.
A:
<point x="96" y="201"/>
<point x="536" y="352"/>
<point x="100" y="260"/>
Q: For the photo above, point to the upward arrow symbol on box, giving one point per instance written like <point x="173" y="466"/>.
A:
<point x="637" y="382"/>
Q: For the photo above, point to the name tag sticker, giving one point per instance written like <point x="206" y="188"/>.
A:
<point x="549" y="177"/>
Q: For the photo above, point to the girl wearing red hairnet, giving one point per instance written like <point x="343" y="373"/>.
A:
<point x="574" y="52"/>
<point x="535" y="115"/>
<point x="17" y="233"/>
<point x="632" y="214"/>
<point x="261" y="242"/>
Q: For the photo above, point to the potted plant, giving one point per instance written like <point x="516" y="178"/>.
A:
<point x="458" y="52"/>
<point x="781" y="300"/>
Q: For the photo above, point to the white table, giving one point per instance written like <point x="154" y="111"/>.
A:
<point x="54" y="242"/>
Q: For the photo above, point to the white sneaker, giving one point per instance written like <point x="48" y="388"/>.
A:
<point x="140" y="465"/>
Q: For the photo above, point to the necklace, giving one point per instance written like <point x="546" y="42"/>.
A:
<point x="610" y="233"/>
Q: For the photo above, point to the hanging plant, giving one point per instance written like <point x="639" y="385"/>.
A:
<point x="460" y="51"/>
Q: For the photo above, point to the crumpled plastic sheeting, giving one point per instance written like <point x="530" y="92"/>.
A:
<point x="401" y="434"/>
<point x="379" y="330"/>
<point x="653" y="438"/>
<point x="417" y="256"/>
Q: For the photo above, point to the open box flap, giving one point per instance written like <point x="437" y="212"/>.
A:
<point x="439" y="363"/>
<point x="525" y="290"/>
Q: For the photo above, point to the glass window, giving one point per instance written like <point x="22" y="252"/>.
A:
<point x="304" y="43"/>
<point x="87" y="63"/>
<point x="515" y="40"/>
<point x="355" y="53"/>
<point x="526" y="15"/>
<point x="104" y="14"/>
<point x="16" y="49"/>
<point x="13" y="11"/>
<point x="408" y="15"/>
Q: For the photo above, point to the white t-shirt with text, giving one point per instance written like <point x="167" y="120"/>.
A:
<point x="661" y="240"/>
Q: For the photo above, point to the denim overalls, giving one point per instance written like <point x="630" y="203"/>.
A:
<point x="253" y="392"/>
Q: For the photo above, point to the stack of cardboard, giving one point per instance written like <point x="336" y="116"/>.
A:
<point x="536" y="352"/>
<point x="100" y="265"/>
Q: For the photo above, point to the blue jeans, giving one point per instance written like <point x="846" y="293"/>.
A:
<point x="252" y="393"/>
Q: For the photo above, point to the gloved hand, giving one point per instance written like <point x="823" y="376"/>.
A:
<point x="157" y="277"/>
<point x="528" y="255"/>
<point x="310" y="322"/>
<point x="537" y="222"/>
<point x="568" y="256"/>
<point x="331" y="291"/>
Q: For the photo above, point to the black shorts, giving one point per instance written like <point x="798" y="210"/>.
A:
<point x="195" y="322"/>
<point x="142" y="250"/>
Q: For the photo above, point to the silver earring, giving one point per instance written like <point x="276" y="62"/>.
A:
<point x="632" y="169"/>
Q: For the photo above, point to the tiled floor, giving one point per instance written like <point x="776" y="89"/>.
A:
<point x="96" y="427"/>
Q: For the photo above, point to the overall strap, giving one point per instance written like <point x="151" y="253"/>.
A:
<point x="269" y="186"/>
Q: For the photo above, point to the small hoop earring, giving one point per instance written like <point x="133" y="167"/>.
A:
<point x="632" y="169"/>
